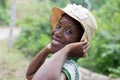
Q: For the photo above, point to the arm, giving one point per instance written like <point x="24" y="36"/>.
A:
<point x="51" y="69"/>
<point x="37" y="62"/>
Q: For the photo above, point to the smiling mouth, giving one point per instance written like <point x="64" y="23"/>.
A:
<point x="56" y="42"/>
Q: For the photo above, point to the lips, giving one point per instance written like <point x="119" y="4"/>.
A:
<point x="56" y="42"/>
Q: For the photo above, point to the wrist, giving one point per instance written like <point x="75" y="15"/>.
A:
<point x="48" y="49"/>
<point x="67" y="49"/>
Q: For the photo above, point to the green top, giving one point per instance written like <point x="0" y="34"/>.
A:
<point x="71" y="70"/>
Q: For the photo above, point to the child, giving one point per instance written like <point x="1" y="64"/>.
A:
<point x="73" y="27"/>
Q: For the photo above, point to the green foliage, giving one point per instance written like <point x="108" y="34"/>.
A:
<point x="115" y="72"/>
<point x="36" y="29"/>
<point x="78" y="2"/>
<point x="3" y="12"/>
<point x="104" y="53"/>
<point x="97" y="3"/>
<point x="60" y="3"/>
<point x="32" y="40"/>
<point x="3" y="3"/>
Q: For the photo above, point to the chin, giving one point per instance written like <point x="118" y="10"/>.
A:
<point x="56" y="48"/>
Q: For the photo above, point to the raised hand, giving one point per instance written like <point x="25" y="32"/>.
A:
<point x="78" y="49"/>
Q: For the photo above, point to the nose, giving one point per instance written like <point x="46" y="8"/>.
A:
<point x="58" y="33"/>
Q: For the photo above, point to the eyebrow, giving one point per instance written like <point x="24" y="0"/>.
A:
<point x="61" y="21"/>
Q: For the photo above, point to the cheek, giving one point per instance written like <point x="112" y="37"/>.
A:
<point x="53" y="31"/>
<point x="70" y="38"/>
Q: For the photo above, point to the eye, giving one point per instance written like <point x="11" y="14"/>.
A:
<point x="69" y="31"/>
<point x="58" y="27"/>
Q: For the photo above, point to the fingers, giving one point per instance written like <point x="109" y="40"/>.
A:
<point x="49" y="46"/>
<point x="86" y="49"/>
<point x="86" y="45"/>
<point x="82" y="45"/>
<point x="84" y="42"/>
<point x="85" y="55"/>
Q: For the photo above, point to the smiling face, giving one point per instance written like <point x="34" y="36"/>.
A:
<point x="67" y="31"/>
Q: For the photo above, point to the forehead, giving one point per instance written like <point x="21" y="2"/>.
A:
<point x="67" y="20"/>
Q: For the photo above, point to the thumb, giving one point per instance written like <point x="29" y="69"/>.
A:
<point x="83" y="40"/>
<point x="49" y="46"/>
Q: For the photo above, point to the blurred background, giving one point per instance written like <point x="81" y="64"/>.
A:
<point x="25" y="30"/>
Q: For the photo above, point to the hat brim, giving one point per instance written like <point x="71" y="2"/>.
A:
<point x="57" y="14"/>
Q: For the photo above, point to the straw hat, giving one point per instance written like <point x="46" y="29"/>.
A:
<point x="78" y="13"/>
